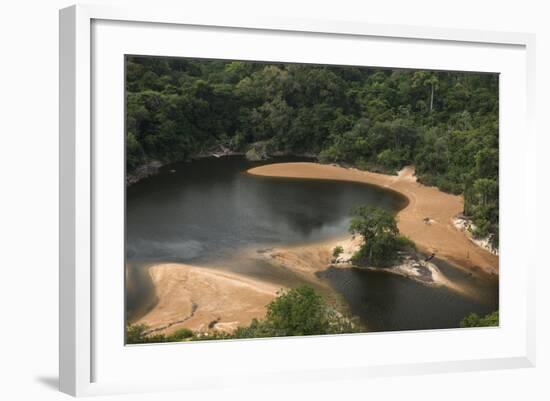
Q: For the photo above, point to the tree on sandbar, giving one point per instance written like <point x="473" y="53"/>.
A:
<point x="381" y="238"/>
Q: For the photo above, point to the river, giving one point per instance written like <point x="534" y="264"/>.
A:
<point x="205" y="211"/>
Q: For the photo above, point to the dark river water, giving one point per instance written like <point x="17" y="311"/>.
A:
<point x="206" y="211"/>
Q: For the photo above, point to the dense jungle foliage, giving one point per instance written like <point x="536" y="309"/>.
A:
<point x="446" y="123"/>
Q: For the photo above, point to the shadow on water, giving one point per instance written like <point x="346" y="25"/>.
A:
<point x="140" y="292"/>
<point x="389" y="302"/>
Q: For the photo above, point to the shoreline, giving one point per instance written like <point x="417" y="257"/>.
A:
<point x="437" y="235"/>
<point x="311" y="259"/>
<point x="204" y="299"/>
<point x="153" y="167"/>
<point x="207" y="299"/>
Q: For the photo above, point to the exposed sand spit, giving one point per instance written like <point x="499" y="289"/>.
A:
<point x="204" y="299"/>
<point x="427" y="219"/>
<point x="309" y="259"/>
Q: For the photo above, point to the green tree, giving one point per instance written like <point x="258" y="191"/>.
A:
<point x="474" y="320"/>
<point x="298" y="312"/>
<point x="423" y="79"/>
<point x="381" y="239"/>
<point x="371" y="222"/>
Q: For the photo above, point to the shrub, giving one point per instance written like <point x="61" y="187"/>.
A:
<point x="298" y="312"/>
<point x="474" y="320"/>
<point x="181" y="334"/>
<point x="136" y="334"/>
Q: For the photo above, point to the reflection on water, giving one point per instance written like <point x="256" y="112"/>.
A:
<point x="385" y="301"/>
<point x="209" y="206"/>
<point x="206" y="212"/>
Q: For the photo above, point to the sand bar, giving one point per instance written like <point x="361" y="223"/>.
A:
<point x="440" y="236"/>
<point x="204" y="299"/>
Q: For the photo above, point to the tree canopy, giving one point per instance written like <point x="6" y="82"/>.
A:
<point x="446" y="123"/>
<point x="381" y="239"/>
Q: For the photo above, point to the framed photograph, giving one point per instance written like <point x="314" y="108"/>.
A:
<point x="272" y="200"/>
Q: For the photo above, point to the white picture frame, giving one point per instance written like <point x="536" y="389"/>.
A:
<point x="81" y="62"/>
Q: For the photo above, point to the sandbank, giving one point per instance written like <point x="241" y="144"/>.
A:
<point x="438" y="235"/>
<point x="204" y="299"/>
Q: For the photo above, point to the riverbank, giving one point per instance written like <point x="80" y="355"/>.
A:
<point x="204" y="299"/>
<point x="310" y="260"/>
<point x="427" y="219"/>
<point x="255" y="152"/>
<point x="153" y="167"/>
<point x="213" y="299"/>
<point x="466" y="225"/>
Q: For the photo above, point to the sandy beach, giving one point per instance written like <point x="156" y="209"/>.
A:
<point x="204" y="299"/>
<point x="439" y="236"/>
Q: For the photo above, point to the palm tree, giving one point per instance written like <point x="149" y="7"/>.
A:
<point x="434" y="84"/>
<point x="426" y="79"/>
